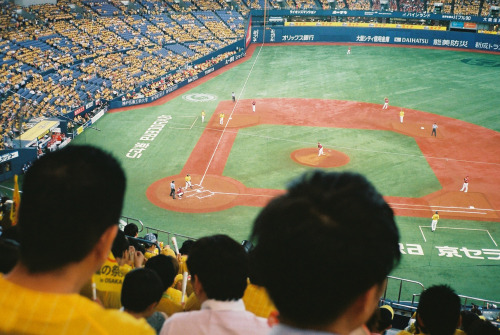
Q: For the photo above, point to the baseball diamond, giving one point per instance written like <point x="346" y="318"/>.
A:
<point x="335" y="99"/>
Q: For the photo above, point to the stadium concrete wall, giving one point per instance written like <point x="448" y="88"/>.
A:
<point x="451" y="39"/>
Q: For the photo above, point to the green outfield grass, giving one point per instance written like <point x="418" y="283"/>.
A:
<point x="266" y="149"/>
<point x="457" y="84"/>
<point x="470" y="276"/>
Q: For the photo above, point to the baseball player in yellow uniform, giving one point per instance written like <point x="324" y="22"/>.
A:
<point x="401" y="116"/>
<point x="434" y="222"/>
<point x="221" y="119"/>
<point x="188" y="181"/>
<point x="202" y="116"/>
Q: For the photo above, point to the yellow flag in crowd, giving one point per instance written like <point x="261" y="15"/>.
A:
<point x="16" y="198"/>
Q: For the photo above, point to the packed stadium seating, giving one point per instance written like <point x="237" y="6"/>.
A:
<point x="54" y="59"/>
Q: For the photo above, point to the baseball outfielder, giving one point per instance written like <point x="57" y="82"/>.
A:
<point x="434" y="222"/>
<point x="202" y="116"/>
<point x="465" y="186"/>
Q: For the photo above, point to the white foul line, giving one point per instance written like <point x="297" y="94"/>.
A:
<point x="193" y="123"/>
<point x="457" y="228"/>
<point x="442" y="210"/>
<point x="425" y="240"/>
<point x="230" y="117"/>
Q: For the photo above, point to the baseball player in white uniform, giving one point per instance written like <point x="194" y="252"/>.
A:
<point x="320" y="150"/>
<point x="465" y="185"/>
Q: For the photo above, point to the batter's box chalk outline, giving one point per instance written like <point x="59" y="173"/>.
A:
<point x="200" y="193"/>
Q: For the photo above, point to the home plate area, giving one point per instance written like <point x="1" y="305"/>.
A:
<point x="199" y="192"/>
<point x="209" y="194"/>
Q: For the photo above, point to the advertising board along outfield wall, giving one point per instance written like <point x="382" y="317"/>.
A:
<point x="395" y="36"/>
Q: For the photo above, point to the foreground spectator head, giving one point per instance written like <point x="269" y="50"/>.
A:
<point x="141" y="291"/>
<point x="482" y="327"/>
<point x="186" y="247"/>
<point x="219" y="268"/>
<point x="131" y="230"/>
<point x="68" y="219"/>
<point x="166" y="267"/>
<point x="467" y="318"/>
<point x="120" y="245"/>
<point x="70" y="199"/>
<point x="333" y="230"/>
<point x="438" y="311"/>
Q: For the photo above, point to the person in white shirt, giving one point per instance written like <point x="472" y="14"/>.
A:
<point x="219" y="270"/>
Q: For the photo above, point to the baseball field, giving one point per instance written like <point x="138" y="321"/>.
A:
<point x="305" y="94"/>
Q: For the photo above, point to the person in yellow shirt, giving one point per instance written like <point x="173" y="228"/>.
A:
<point x="203" y="116"/>
<point x="257" y="300"/>
<point x="401" y="116"/>
<point x="188" y="181"/>
<point x="435" y="219"/>
<point x="221" y="119"/>
<point x="166" y="267"/>
<point x="41" y="292"/>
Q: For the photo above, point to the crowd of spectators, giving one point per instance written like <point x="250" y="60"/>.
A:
<point x="53" y="59"/>
<point x="358" y="4"/>
<point x="466" y="7"/>
<point x="417" y="6"/>
<point x="485" y="9"/>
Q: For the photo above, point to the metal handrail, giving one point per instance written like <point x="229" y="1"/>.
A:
<point x="401" y="281"/>
<point x="138" y="222"/>
<point x="484" y="301"/>
<point x="169" y="234"/>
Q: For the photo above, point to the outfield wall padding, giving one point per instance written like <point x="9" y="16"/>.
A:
<point x="451" y="39"/>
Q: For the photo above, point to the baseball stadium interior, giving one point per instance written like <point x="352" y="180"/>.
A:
<point x="65" y="64"/>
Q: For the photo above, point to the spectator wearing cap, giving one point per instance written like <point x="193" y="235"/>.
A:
<point x="141" y="291"/>
<point x="151" y="249"/>
<point x="219" y="271"/>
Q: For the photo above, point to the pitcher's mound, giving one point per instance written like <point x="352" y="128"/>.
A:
<point x="330" y="158"/>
